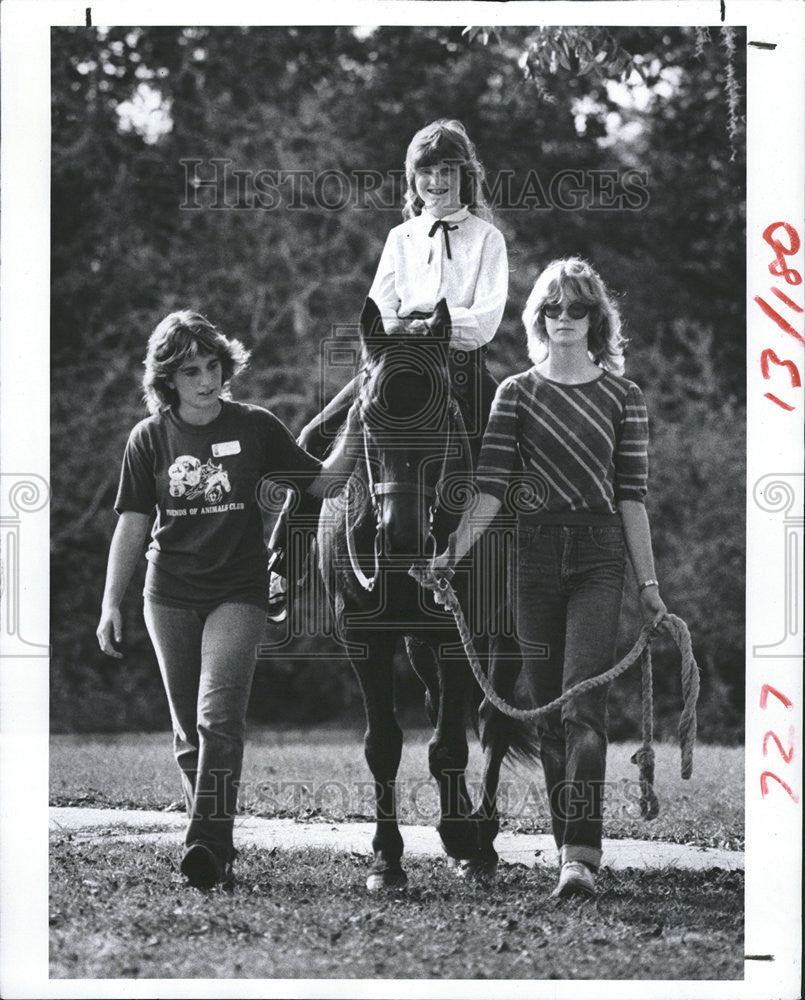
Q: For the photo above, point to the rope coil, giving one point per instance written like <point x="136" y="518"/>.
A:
<point x="444" y="594"/>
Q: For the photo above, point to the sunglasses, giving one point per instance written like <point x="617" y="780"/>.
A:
<point x="575" y="310"/>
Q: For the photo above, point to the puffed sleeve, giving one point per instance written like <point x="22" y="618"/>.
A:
<point x="477" y="324"/>
<point x="384" y="287"/>
<point x="631" y="454"/>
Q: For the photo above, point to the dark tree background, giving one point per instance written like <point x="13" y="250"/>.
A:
<point x="125" y="252"/>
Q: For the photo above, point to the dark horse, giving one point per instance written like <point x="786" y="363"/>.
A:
<point x="411" y="482"/>
<point x="392" y="513"/>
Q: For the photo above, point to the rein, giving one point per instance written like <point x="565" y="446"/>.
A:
<point x="444" y="594"/>
<point x="393" y="488"/>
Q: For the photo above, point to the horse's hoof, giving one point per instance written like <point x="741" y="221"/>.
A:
<point x="483" y="866"/>
<point x="477" y="869"/>
<point x="459" y="838"/>
<point x="391" y="878"/>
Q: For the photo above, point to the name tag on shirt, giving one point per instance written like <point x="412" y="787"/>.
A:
<point x="225" y="448"/>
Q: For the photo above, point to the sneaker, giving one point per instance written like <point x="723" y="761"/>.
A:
<point x="201" y="866"/>
<point x="575" y="879"/>
<point x="277" y="598"/>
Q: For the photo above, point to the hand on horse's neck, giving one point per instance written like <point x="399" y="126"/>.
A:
<point x="570" y="364"/>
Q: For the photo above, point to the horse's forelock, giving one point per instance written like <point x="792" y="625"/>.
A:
<point x="405" y="378"/>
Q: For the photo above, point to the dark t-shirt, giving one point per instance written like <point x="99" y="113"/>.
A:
<point x="207" y="540"/>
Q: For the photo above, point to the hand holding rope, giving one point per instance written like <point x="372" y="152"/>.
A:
<point x="444" y="594"/>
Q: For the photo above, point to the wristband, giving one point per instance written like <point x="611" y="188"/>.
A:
<point x="647" y="583"/>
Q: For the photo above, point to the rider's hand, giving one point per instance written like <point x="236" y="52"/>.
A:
<point x="110" y="631"/>
<point x="652" y="606"/>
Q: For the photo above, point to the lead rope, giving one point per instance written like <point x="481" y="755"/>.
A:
<point x="644" y="757"/>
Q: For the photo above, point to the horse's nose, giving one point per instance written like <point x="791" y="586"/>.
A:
<point x="402" y="527"/>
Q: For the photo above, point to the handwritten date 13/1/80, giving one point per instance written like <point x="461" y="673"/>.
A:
<point x="788" y="754"/>
<point x="780" y="269"/>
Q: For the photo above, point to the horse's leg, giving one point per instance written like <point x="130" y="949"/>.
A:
<point x="383" y="749"/>
<point x="447" y="760"/>
<point x="426" y="666"/>
<point x="496" y="737"/>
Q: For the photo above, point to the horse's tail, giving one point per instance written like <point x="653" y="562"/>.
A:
<point x="517" y="739"/>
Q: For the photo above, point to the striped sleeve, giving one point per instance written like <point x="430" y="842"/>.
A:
<point x="631" y="453"/>
<point x="499" y="448"/>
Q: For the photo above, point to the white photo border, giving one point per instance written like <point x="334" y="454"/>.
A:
<point x="776" y="84"/>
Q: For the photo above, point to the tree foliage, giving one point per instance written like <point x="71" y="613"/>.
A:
<point x="650" y="119"/>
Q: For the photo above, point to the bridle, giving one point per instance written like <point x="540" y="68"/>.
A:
<point x="433" y="494"/>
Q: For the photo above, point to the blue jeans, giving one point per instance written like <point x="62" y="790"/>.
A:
<point x="568" y="588"/>
<point x="207" y="663"/>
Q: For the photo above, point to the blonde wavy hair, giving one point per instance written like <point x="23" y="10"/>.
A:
<point x="577" y="279"/>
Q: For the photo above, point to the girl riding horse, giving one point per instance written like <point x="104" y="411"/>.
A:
<point x="445" y="249"/>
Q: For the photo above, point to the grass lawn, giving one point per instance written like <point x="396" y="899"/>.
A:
<point x="320" y="774"/>
<point x="120" y="910"/>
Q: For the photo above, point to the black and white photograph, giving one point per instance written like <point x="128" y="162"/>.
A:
<point x="402" y="486"/>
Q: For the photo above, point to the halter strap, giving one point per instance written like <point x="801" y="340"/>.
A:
<point x="391" y="488"/>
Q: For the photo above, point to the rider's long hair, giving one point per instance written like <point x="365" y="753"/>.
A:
<point x="445" y="141"/>
<point x="178" y="338"/>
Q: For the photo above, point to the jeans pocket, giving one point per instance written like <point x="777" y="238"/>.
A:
<point x="526" y="536"/>
<point x="539" y="557"/>
<point x="608" y="538"/>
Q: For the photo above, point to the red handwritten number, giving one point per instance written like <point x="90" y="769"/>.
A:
<point x="786" y="755"/>
<point x="778" y="266"/>
<point x="766" y="690"/>
<point x="764" y="785"/>
<point x="785" y="242"/>
<point x="793" y="372"/>
<point x="784" y="325"/>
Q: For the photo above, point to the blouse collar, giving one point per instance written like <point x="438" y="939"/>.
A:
<point x="459" y="216"/>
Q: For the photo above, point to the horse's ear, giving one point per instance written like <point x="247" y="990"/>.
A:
<point x="371" y="321"/>
<point x="439" y="322"/>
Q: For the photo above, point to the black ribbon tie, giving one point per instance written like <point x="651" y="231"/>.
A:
<point x="445" y="228"/>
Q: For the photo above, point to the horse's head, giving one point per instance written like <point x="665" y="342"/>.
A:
<point x="408" y="421"/>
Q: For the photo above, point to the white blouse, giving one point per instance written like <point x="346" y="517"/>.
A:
<point x="415" y="272"/>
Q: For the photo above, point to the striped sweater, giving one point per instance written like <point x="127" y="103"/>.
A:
<point x="582" y="447"/>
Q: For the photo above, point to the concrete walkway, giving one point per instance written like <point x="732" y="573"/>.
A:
<point x="287" y="834"/>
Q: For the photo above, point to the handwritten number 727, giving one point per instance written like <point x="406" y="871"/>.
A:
<point x="787" y="755"/>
